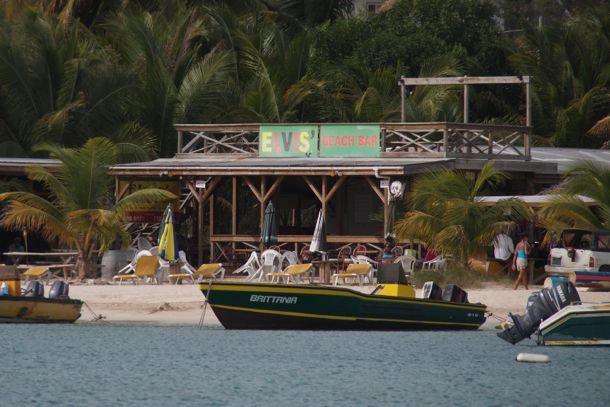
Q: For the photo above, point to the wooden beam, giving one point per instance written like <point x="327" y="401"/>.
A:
<point x="324" y="201"/>
<point x="335" y="187"/>
<point x="376" y="189"/>
<point x="273" y="188"/>
<point x="255" y="191"/>
<point x="461" y="80"/>
<point x="122" y="192"/>
<point x="234" y="205"/>
<point x="313" y="188"/>
<point x="211" y="200"/>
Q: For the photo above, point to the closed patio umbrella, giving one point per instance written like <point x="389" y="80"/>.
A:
<point x="390" y="237"/>
<point x="269" y="230"/>
<point x="318" y="241"/>
<point x="168" y="244"/>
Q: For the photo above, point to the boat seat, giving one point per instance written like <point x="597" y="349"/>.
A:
<point x="294" y="271"/>
<point x="356" y="271"/>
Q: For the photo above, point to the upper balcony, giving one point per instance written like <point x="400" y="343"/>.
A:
<point x="432" y="139"/>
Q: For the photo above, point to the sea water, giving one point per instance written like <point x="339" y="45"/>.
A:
<point x="105" y="365"/>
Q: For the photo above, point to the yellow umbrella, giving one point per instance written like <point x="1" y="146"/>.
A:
<point x="168" y="245"/>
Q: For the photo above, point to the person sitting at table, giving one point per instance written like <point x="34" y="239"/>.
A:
<point x="387" y="256"/>
<point x="15" y="246"/>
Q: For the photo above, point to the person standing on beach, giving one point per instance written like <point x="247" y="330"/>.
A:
<point x="522" y="250"/>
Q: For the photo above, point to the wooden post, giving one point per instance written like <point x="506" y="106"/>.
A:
<point x="465" y="102"/>
<point x="403" y="106"/>
<point x="234" y="207"/>
<point x="179" y="148"/>
<point x="211" y="227"/>
<point x="199" y="230"/>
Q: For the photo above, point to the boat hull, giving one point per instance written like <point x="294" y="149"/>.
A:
<point x="314" y="307"/>
<point x="39" y="310"/>
<point x="578" y="325"/>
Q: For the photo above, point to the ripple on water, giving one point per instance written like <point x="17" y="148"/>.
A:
<point x="78" y="365"/>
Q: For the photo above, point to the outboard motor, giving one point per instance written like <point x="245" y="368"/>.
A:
<point x="432" y="291"/>
<point x="540" y="306"/>
<point x="59" y="289"/>
<point x="34" y="289"/>
<point x="453" y="293"/>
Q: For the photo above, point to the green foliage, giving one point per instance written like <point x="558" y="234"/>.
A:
<point x="567" y="208"/>
<point x="79" y="210"/>
<point x="129" y="71"/>
<point x="447" y="212"/>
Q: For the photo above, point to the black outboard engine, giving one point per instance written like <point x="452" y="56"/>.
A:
<point x="59" y="289"/>
<point x="453" y="293"/>
<point x="34" y="289"/>
<point x="432" y="291"/>
<point x="540" y="306"/>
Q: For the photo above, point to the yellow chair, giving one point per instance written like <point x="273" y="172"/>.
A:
<point x="355" y="271"/>
<point x="294" y="271"/>
<point x="211" y="270"/>
<point x="145" y="270"/>
<point x="35" y="272"/>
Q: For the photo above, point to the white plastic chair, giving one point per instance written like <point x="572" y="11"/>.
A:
<point x="185" y="266"/>
<point x="250" y="266"/>
<point x="407" y="262"/>
<point x="270" y="263"/>
<point x="437" y="263"/>
<point x="289" y="258"/>
<point x="131" y="267"/>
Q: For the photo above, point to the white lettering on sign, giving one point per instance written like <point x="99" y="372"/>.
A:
<point x="273" y="299"/>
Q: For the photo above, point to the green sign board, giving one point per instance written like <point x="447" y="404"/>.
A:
<point x="287" y="141"/>
<point x="342" y="140"/>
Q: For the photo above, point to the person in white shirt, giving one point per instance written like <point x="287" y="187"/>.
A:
<point x="503" y="247"/>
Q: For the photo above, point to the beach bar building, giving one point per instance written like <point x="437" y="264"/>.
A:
<point x="226" y="174"/>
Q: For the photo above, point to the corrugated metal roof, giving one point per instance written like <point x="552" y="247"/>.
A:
<point x="564" y="157"/>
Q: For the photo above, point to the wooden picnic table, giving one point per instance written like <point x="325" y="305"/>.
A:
<point x="64" y="260"/>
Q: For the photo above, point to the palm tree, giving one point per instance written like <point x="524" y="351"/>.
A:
<point x="567" y="207"/>
<point x="78" y="210"/>
<point x="569" y="64"/>
<point x="448" y="214"/>
<point x="58" y="84"/>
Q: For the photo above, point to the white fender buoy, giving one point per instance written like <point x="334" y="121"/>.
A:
<point x="533" y="358"/>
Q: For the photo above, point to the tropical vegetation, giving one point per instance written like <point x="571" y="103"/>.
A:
<point x="586" y="182"/>
<point x="77" y="207"/>
<point x="130" y="70"/>
<point x="448" y="212"/>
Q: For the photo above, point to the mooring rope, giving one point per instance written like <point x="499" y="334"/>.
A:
<point x="96" y="317"/>
<point x="205" y="305"/>
<point x="491" y="314"/>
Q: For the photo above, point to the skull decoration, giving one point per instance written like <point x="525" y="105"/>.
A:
<point x="397" y="188"/>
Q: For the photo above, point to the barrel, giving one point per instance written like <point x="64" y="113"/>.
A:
<point x="114" y="260"/>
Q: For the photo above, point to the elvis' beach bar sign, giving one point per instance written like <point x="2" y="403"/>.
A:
<point x="327" y="140"/>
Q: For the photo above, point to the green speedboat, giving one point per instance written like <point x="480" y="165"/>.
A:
<point x="581" y="324"/>
<point x="241" y="305"/>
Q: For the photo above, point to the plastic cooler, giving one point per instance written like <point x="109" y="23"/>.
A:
<point x="10" y="276"/>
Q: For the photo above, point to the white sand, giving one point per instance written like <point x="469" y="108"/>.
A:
<point x="183" y="304"/>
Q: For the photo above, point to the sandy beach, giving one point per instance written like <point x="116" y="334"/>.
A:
<point x="183" y="304"/>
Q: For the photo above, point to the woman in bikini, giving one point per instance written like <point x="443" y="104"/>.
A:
<point x="522" y="250"/>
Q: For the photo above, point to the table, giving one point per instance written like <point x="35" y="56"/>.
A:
<point x="324" y="269"/>
<point x="67" y="259"/>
